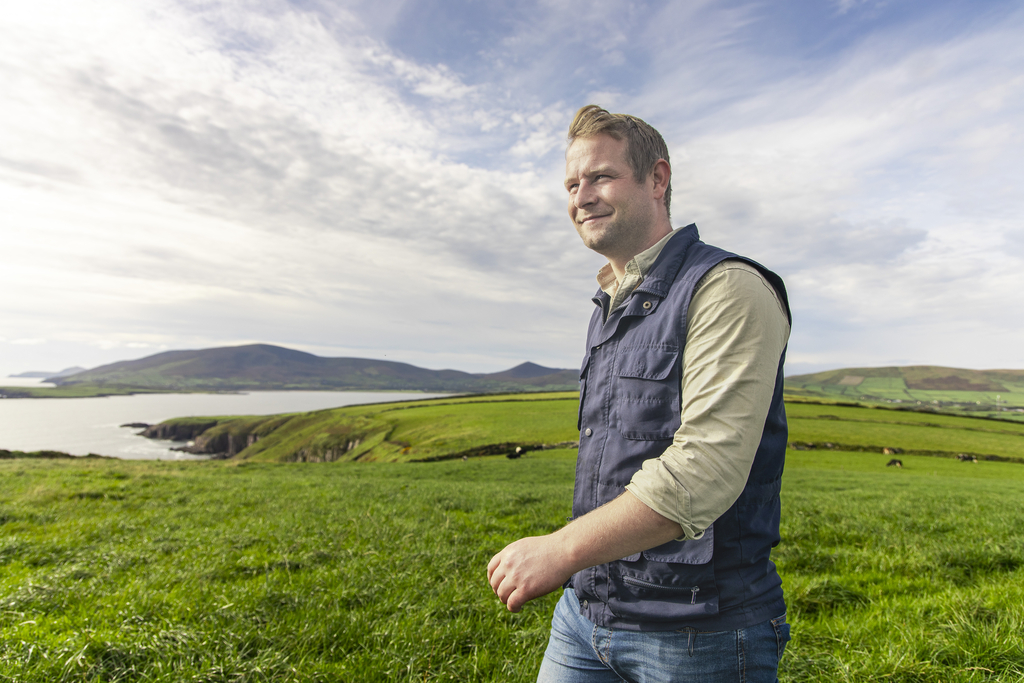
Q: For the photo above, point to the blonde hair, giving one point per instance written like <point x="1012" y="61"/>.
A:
<point x="644" y="144"/>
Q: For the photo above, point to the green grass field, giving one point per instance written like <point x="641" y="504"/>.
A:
<point x="375" y="571"/>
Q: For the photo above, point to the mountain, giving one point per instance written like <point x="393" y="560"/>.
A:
<point x="263" y="366"/>
<point x="523" y="371"/>
<point x="533" y="374"/>
<point x="937" y="385"/>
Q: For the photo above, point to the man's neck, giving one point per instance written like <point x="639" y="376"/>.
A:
<point x="618" y="262"/>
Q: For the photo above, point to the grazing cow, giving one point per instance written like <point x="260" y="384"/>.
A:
<point x="966" y="457"/>
<point x="895" y="463"/>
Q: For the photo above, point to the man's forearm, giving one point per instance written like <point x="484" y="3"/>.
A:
<point x="619" y="528"/>
<point x="535" y="566"/>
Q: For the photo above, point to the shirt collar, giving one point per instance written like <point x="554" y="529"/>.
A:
<point x="637" y="267"/>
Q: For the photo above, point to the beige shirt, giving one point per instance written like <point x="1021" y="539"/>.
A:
<point x="736" y="330"/>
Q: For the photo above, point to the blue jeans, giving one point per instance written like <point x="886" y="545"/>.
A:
<point x="581" y="652"/>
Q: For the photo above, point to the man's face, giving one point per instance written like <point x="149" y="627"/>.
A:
<point x="612" y="212"/>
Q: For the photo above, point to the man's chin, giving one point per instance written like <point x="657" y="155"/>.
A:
<point x="598" y="242"/>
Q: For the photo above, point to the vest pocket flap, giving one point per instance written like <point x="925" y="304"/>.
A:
<point x="698" y="551"/>
<point x="653" y="363"/>
<point x="647" y="392"/>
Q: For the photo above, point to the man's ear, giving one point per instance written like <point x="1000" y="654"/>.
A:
<point x="660" y="176"/>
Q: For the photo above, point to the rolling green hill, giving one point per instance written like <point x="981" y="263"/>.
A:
<point x="444" y="429"/>
<point x="437" y="429"/>
<point x="266" y="367"/>
<point x="988" y="392"/>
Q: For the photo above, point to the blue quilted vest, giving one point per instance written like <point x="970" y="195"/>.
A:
<point x="629" y="411"/>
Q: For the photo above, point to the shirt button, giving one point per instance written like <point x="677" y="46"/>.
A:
<point x="586" y="604"/>
<point x="647" y="304"/>
<point x="589" y="431"/>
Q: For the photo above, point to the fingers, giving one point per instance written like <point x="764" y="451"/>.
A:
<point x="492" y="565"/>
<point x="501" y="583"/>
<point x="508" y="590"/>
<point x="494" y="576"/>
<point x="510" y="595"/>
<point x="515" y="601"/>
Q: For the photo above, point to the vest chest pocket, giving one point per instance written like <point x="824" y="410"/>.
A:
<point x="647" y="392"/>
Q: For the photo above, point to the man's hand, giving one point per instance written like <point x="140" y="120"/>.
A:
<point x="535" y="566"/>
<point x="527" y="569"/>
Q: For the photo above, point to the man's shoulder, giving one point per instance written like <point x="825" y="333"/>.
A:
<point x="735" y="270"/>
<point x="736" y="280"/>
<point x="735" y="263"/>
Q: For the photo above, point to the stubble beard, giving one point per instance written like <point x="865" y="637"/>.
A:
<point x="619" y="237"/>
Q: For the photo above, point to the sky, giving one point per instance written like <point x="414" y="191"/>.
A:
<point x="384" y="179"/>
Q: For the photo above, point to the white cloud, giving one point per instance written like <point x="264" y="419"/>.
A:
<point x="194" y="174"/>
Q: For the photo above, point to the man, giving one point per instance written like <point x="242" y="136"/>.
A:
<point x="676" y="508"/>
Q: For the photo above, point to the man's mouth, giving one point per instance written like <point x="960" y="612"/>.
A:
<point x="583" y="220"/>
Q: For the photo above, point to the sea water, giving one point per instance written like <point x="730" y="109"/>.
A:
<point x="80" y="426"/>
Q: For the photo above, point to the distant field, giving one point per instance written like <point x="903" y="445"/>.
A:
<point x="374" y="571"/>
<point x="993" y="393"/>
<point x="880" y="428"/>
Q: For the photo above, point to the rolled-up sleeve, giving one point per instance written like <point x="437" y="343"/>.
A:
<point x="737" y="329"/>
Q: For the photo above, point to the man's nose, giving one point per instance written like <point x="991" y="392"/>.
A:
<point x="585" y="195"/>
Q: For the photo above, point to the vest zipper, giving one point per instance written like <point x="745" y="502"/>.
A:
<point x="658" y="586"/>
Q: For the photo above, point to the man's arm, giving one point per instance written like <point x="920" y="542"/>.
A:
<point x="537" y="565"/>
<point x="736" y="332"/>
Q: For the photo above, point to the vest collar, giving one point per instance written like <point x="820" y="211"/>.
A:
<point x="664" y="271"/>
<point x="645" y="299"/>
<point x="662" y="274"/>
